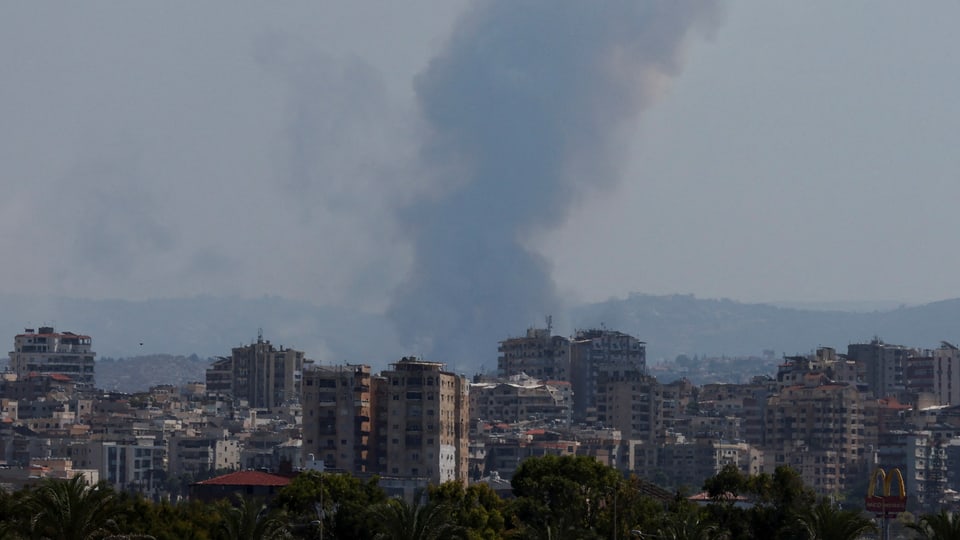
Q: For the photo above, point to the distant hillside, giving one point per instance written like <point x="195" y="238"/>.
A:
<point x="671" y="325"/>
<point x="141" y="372"/>
<point x="683" y="324"/>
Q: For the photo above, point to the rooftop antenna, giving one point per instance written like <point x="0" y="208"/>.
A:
<point x="549" y="324"/>
<point x="259" y="335"/>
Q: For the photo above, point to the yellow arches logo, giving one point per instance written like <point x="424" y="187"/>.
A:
<point x="885" y="480"/>
<point x="886" y="504"/>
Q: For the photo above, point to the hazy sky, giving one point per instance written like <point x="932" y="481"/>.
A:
<point x="782" y="151"/>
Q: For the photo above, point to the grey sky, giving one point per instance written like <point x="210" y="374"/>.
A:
<point x="803" y="151"/>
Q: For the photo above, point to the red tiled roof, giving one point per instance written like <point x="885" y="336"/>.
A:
<point x="247" y="478"/>
<point x="892" y="403"/>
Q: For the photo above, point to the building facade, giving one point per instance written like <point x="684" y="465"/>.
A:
<point x="48" y="352"/>
<point x="337" y="416"/>
<point x="539" y="355"/>
<point x="596" y="354"/>
<point x="259" y="373"/>
<point x="818" y="429"/>
<point x="883" y="365"/>
<point x="422" y="431"/>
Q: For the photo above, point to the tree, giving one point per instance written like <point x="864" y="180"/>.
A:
<point x="941" y="526"/>
<point x="71" y="510"/>
<point x="563" y="496"/>
<point x="252" y="520"/>
<point x="340" y="501"/>
<point x="397" y="519"/>
<point x="477" y="508"/>
<point x="729" y="481"/>
<point x="824" y="521"/>
<point x="777" y="503"/>
<point x="688" y="525"/>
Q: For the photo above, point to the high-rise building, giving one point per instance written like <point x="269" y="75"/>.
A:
<point x="539" y="355"/>
<point x="633" y="404"/>
<point x="818" y="428"/>
<point x="48" y="352"/>
<point x="601" y="353"/>
<point x="259" y="373"/>
<point x="883" y="365"/>
<point x="946" y="374"/>
<point x="336" y="416"/>
<point x="422" y="429"/>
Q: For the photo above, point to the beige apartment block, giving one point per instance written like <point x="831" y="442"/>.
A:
<point x="538" y="354"/>
<point x="631" y="403"/>
<point x="263" y="375"/>
<point x="46" y="351"/>
<point x="818" y="428"/>
<point x="336" y="416"/>
<point x="516" y="401"/>
<point x="882" y="365"/>
<point x="596" y="354"/>
<point x="423" y="421"/>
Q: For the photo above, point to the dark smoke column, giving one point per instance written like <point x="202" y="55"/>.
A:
<point x="523" y="111"/>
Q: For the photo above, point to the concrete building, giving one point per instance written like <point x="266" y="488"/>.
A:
<point x="199" y="454"/>
<point x="818" y="429"/>
<point x="517" y="400"/>
<point x="133" y="464"/>
<point x="926" y="469"/>
<point x="46" y="351"/>
<point x="423" y="428"/>
<point x="539" y="355"/>
<point x="337" y="416"/>
<point x="631" y="403"/>
<point x="601" y="353"/>
<point x="883" y="365"/>
<point x="946" y="374"/>
<point x="259" y="373"/>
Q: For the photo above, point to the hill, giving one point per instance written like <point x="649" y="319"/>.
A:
<point x="683" y="324"/>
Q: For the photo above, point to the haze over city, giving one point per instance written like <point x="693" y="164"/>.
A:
<point x="461" y="165"/>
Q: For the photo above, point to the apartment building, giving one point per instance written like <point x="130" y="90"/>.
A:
<point x="925" y="474"/>
<point x="946" y="374"/>
<point x="198" y="454"/>
<point x="817" y="428"/>
<point x="45" y="351"/>
<point x="259" y="373"/>
<point x="601" y="353"/>
<point x="539" y="354"/>
<point x="883" y="365"/>
<point x="517" y="400"/>
<point x="423" y="423"/>
<point x="337" y="416"/>
<point x="631" y="403"/>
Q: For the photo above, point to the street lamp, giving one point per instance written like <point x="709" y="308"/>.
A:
<point x="615" y="493"/>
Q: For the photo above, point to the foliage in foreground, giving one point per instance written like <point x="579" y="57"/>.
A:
<point x="554" y="498"/>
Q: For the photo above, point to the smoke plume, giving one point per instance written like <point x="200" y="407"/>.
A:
<point x="522" y="110"/>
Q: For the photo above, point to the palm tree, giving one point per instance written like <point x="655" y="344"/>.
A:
<point x="827" y="522"/>
<point x="252" y="520"/>
<point x="71" y="510"/>
<point x="942" y="526"/>
<point x="400" y="520"/>
<point x="688" y="525"/>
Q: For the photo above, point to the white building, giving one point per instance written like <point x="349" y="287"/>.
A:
<point x="48" y="352"/>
